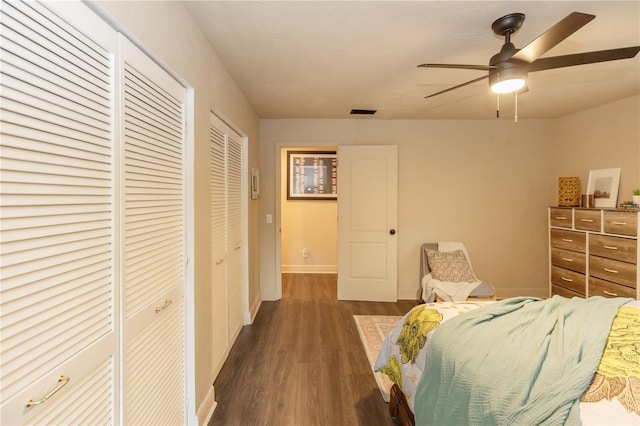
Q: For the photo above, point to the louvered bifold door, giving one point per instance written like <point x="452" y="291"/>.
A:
<point x="58" y="304"/>
<point x="234" y="215"/>
<point x="153" y="243"/>
<point x="218" y="185"/>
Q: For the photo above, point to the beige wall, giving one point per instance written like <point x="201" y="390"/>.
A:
<point x="166" y="30"/>
<point x="600" y="138"/>
<point x="487" y="183"/>
<point x="310" y="225"/>
<point x="472" y="181"/>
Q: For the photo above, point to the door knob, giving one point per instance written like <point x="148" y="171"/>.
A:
<point x="392" y="231"/>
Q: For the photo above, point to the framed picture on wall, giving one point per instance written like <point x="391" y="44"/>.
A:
<point x="312" y="175"/>
<point x="603" y="185"/>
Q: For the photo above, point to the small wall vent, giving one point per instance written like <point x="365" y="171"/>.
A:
<point x="363" y="111"/>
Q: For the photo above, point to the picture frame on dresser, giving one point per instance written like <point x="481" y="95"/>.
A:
<point x="603" y="185"/>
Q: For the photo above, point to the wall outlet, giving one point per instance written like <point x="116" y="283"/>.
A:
<point x="305" y="253"/>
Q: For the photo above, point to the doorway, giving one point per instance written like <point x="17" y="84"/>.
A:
<point x="308" y="227"/>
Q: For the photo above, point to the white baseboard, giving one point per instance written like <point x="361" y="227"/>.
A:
<point x="208" y="406"/>
<point x="408" y="294"/>
<point x="253" y="311"/>
<point x="309" y="269"/>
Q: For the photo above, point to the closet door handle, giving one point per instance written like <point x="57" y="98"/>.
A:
<point x="167" y="302"/>
<point x="392" y="231"/>
<point x="62" y="380"/>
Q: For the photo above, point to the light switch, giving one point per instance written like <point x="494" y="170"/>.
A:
<point x="269" y="218"/>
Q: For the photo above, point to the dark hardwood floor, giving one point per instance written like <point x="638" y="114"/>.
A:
<point x="302" y="363"/>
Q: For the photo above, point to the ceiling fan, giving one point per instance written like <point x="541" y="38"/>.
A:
<point x="508" y="69"/>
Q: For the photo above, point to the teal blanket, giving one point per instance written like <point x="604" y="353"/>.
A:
<point x="520" y="361"/>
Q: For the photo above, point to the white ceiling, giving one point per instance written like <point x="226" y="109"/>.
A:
<point x="320" y="59"/>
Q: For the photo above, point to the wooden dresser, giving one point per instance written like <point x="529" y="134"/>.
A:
<point x="593" y="252"/>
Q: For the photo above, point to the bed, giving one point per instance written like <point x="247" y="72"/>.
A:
<point x="516" y="361"/>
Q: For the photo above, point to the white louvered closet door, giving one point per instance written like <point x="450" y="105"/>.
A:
<point x="218" y="185"/>
<point x="58" y="305"/>
<point x="153" y="243"/>
<point x="234" y="215"/>
<point x="226" y="238"/>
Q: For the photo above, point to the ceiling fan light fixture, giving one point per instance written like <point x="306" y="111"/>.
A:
<point x="508" y="86"/>
<point x="508" y="80"/>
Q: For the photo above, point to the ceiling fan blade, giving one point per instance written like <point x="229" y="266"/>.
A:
<point x="554" y="35"/>
<point x="458" y="86"/>
<point x="462" y="67"/>
<point x="583" y="58"/>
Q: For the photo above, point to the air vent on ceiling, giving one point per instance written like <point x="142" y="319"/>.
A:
<point x="363" y="111"/>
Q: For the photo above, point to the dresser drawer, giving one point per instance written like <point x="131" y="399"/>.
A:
<point x="561" y="217"/>
<point x="564" y="292"/>
<point x="568" y="279"/>
<point x="589" y="220"/>
<point x="621" y="223"/>
<point x="569" y="240"/>
<point x="624" y="249"/>
<point x="613" y="270"/>
<point x="598" y="287"/>
<point x="569" y="259"/>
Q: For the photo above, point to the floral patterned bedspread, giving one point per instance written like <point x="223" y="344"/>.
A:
<point x="618" y="374"/>
<point x="401" y="357"/>
<point x="615" y="388"/>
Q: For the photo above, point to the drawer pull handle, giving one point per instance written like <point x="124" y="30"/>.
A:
<point x="62" y="380"/>
<point x="619" y="223"/>
<point x="567" y="279"/>
<point x="566" y="259"/>
<point x="167" y="302"/>
<point x="586" y="220"/>
<point x="611" y="247"/>
<point x="608" y="293"/>
<point x="561" y="217"/>
<point x="567" y="240"/>
<point x="613" y="271"/>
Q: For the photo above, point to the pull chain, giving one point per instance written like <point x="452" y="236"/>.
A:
<point x="515" y="117"/>
<point x="498" y="105"/>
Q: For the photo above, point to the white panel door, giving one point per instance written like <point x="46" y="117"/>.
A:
<point x="58" y="305"/>
<point x="367" y="223"/>
<point x="154" y="246"/>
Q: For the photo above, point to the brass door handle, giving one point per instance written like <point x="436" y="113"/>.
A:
<point x="62" y="380"/>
